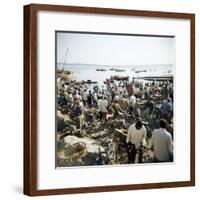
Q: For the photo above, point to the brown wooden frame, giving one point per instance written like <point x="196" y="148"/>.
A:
<point x="30" y="98"/>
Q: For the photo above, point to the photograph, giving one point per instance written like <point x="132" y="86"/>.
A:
<point x="114" y="99"/>
<point x="109" y="99"/>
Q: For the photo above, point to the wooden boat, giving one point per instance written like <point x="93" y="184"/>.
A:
<point x="65" y="75"/>
<point x="101" y="70"/>
<point x="64" y="72"/>
<point x="120" y="78"/>
<point x="89" y="82"/>
<point x="120" y="70"/>
<point x="138" y="71"/>
<point x="158" y="78"/>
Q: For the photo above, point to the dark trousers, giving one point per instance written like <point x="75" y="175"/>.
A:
<point x="132" y="151"/>
<point x="104" y="116"/>
<point x="100" y="115"/>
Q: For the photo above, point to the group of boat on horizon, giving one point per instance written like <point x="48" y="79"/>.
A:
<point x="112" y="69"/>
<point x="135" y="70"/>
<point x="121" y="70"/>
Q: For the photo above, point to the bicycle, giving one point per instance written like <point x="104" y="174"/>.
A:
<point x="122" y="151"/>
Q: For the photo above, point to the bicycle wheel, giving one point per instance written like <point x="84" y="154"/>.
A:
<point x="121" y="155"/>
<point x="147" y="156"/>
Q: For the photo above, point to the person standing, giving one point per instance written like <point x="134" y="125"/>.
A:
<point x="129" y="89"/>
<point x="78" y="114"/>
<point x="117" y="110"/>
<point x="103" y="107"/>
<point x="89" y="99"/>
<point x="132" y="102"/>
<point x="99" y="102"/>
<point x="95" y="99"/>
<point x="148" y="109"/>
<point x="166" y="110"/>
<point x="85" y="96"/>
<point x="136" y="108"/>
<point x="137" y="137"/>
<point x="162" y="144"/>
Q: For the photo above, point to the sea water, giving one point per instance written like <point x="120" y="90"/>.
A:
<point x="84" y="72"/>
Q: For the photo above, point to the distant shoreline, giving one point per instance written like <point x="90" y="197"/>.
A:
<point x="114" y="65"/>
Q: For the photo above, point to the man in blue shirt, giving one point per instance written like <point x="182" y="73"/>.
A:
<point x="166" y="110"/>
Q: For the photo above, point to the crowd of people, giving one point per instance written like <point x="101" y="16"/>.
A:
<point x="140" y="100"/>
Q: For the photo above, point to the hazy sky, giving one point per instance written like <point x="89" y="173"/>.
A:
<point x="114" y="49"/>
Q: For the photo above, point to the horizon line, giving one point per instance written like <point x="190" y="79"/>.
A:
<point x="77" y="63"/>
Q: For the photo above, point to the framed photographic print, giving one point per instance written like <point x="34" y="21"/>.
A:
<point x="109" y="99"/>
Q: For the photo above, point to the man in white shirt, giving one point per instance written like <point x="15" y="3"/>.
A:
<point x="162" y="143"/>
<point x="137" y="137"/>
<point x="103" y="108"/>
<point x="99" y="107"/>
<point x="102" y="105"/>
<point x="132" y="102"/>
<point x="84" y="96"/>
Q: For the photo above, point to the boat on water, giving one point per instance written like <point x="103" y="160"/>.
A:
<point x="101" y="70"/>
<point x="120" y="70"/>
<point x="89" y="82"/>
<point x="65" y="75"/>
<point x="168" y="77"/>
<point x="120" y="78"/>
<point x="138" y="71"/>
<point x="60" y="71"/>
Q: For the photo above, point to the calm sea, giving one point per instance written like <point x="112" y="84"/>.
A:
<point x="88" y="72"/>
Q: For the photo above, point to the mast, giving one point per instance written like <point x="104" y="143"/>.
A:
<point x="65" y="59"/>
